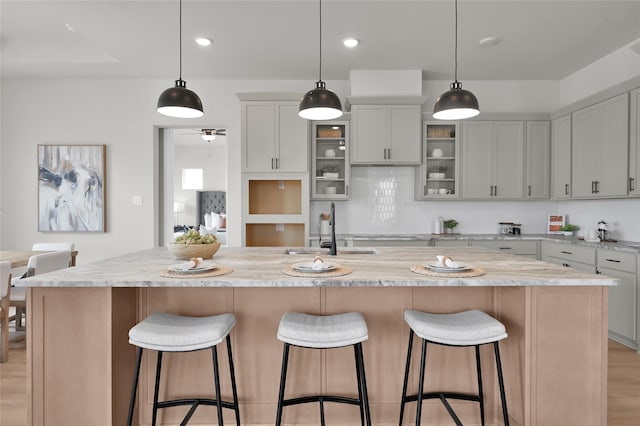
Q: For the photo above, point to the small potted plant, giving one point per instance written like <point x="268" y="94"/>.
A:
<point x="569" y="229"/>
<point x="449" y="224"/>
<point x="330" y="171"/>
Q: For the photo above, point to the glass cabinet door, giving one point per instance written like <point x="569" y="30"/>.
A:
<point x="439" y="171"/>
<point x="330" y="160"/>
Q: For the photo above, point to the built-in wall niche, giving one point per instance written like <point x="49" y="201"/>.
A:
<point x="275" y="234"/>
<point x="275" y="197"/>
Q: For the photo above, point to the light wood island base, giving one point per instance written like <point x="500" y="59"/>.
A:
<point x="80" y="364"/>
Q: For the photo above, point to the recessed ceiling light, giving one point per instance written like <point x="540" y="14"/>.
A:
<point x="488" y="41"/>
<point x="350" y="42"/>
<point x="204" y="41"/>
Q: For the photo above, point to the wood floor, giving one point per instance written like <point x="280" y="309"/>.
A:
<point x="623" y="387"/>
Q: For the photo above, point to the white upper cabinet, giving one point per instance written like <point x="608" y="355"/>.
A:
<point x="561" y="157"/>
<point x="537" y="160"/>
<point x="274" y="137"/>
<point x="600" y="147"/>
<point x="386" y="134"/>
<point x="634" y="144"/>
<point x="493" y="159"/>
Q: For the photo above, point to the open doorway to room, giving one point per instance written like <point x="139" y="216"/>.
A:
<point x="193" y="180"/>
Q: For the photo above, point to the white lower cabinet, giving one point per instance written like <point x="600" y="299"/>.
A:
<point x="519" y="248"/>
<point x="623" y="297"/>
<point x="450" y="243"/>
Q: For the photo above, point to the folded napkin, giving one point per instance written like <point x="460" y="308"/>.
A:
<point x="192" y="263"/>
<point x="446" y="261"/>
<point x="318" y="263"/>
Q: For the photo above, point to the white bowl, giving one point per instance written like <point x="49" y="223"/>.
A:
<point x="330" y="175"/>
<point x="330" y="190"/>
<point x="436" y="175"/>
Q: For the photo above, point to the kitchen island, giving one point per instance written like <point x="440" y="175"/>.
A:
<point x="555" y="358"/>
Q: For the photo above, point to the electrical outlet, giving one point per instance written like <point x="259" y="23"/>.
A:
<point x="136" y="200"/>
<point x="281" y="184"/>
<point x="279" y="227"/>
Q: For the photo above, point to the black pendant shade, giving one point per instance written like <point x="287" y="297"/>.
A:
<point x="320" y="104"/>
<point x="180" y="102"/>
<point x="456" y="104"/>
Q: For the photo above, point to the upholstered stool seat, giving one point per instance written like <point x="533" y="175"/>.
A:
<point x="173" y="333"/>
<point x="163" y="332"/>
<point x="468" y="328"/>
<point x="316" y="331"/>
<point x="324" y="332"/>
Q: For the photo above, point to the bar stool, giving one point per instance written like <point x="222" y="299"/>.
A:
<point x="163" y="332"/>
<point x="468" y="328"/>
<point x="324" y="332"/>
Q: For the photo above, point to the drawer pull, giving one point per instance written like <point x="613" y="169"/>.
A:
<point x="505" y="248"/>
<point x="566" y="252"/>
<point x="612" y="260"/>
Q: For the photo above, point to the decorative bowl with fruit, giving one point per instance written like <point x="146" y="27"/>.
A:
<point x="193" y="244"/>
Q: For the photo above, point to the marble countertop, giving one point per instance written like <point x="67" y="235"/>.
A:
<point x="620" y="245"/>
<point x="262" y="267"/>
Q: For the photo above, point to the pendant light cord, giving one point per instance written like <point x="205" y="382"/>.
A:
<point x="180" y="38"/>
<point x="320" y="44"/>
<point x="455" y="72"/>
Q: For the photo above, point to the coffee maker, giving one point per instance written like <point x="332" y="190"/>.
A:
<point x="603" y="230"/>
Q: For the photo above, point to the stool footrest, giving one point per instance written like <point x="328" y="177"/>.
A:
<point x="195" y="402"/>
<point x="321" y="398"/>
<point x="440" y="395"/>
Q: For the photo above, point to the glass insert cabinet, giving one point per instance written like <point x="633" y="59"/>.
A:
<point x="330" y="164"/>
<point x="439" y="172"/>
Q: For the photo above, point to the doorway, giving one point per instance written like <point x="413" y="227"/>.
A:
<point x="191" y="162"/>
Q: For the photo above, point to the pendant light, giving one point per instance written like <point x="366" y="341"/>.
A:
<point x="457" y="103"/>
<point x="320" y="103"/>
<point x="179" y="101"/>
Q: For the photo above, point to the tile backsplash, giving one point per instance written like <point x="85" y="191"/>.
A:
<point x="382" y="202"/>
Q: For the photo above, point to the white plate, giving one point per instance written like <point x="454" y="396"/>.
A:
<point x="202" y="267"/>
<point x="441" y="268"/>
<point x="308" y="267"/>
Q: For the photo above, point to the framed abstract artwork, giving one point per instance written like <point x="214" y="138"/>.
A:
<point x="71" y="188"/>
<point x="555" y="222"/>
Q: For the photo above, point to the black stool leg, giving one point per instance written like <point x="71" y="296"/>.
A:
<point x="423" y="360"/>
<point x="503" y="397"/>
<point x="365" y="393"/>
<point x="236" y="407"/>
<point x="156" y="388"/>
<point x="359" y="377"/>
<point x="406" y="377"/>
<point x="480" y="393"/>
<point x="216" y="375"/>
<point x="134" y="389"/>
<point x="283" y="379"/>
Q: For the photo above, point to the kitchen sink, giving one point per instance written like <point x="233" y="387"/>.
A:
<point x="325" y="251"/>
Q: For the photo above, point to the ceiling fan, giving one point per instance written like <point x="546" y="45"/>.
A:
<point x="207" y="134"/>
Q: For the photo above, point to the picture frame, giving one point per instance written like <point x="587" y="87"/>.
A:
<point x="555" y="222"/>
<point x="72" y="188"/>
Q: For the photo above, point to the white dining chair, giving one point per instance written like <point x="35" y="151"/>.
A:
<point x="53" y="247"/>
<point x="5" y="291"/>
<point x="38" y="264"/>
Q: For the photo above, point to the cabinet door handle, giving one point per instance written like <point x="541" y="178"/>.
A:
<point x="597" y="187"/>
<point x="385" y="153"/>
<point x="504" y="248"/>
<point x="272" y="163"/>
<point x="566" y="189"/>
<point x="490" y="190"/>
<point x="593" y="186"/>
<point x="277" y="163"/>
<point x="346" y="190"/>
<point x="631" y="182"/>
<point x="529" y="190"/>
<point x="613" y="260"/>
<point x="495" y="190"/>
<point x="566" y="252"/>
<point x="389" y="150"/>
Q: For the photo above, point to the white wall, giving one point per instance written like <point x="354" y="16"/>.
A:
<point x="623" y="216"/>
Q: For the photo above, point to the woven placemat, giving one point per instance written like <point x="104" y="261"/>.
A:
<point x="220" y="270"/>
<point x="339" y="271"/>
<point x="474" y="272"/>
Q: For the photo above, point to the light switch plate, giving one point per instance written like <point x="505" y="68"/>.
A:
<point x="136" y="200"/>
